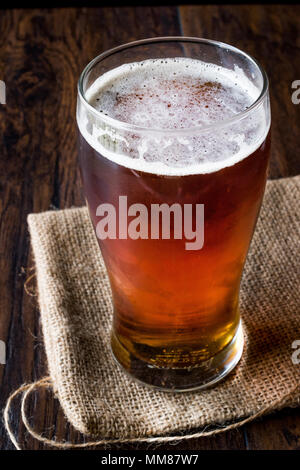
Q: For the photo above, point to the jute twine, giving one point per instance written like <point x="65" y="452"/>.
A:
<point x="45" y="382"/>
<point x="99" y="399"/>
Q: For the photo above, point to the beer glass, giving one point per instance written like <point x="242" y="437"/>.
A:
<point x="173" y="151"/>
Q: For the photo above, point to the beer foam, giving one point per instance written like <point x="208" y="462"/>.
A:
<point x="169" y="95"/>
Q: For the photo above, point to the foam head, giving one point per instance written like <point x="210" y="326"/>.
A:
<point x="175" y="103"/>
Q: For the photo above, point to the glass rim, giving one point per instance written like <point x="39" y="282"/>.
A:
<point x="165" y="131"/>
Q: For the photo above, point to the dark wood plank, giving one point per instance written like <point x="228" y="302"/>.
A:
<point x="41" y="55"/>
<point x="271" y="34"/>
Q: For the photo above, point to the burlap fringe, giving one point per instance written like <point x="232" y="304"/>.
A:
<point x="46" y="382"/>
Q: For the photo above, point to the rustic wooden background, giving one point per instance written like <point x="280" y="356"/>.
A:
<point x="42" y="52"/>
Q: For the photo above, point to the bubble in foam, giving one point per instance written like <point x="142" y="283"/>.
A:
<point x="174" y="94"/>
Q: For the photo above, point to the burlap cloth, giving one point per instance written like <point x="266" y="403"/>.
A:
<point x="75" y="304"/>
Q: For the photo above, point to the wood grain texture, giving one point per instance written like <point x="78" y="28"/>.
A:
<point x="270" y="33"/>
<point x="42" y="53"/>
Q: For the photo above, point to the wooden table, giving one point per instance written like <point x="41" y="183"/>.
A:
<point x="42" y="52"/>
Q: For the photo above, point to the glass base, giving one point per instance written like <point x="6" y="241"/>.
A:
<point x="181" y="380"/>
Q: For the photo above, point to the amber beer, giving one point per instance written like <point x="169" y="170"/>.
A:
<point x="176" y="321"/>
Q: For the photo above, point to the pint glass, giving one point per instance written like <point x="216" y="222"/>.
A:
<point x="174" y="151"/>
